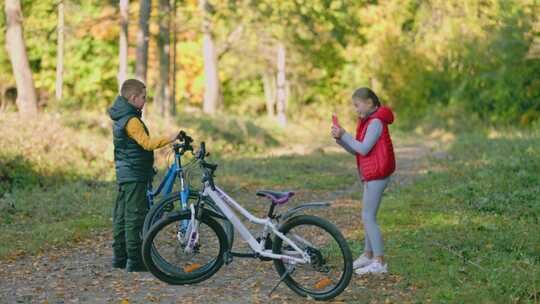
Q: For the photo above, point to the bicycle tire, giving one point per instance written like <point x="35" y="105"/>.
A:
<point x="169" y="202"/>
<point x="342" y="248"/>
<point x="180" y="276"/>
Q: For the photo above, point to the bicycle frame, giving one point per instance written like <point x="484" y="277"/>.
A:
<point x="167" y="183"/>
<point x="225" y="203"/>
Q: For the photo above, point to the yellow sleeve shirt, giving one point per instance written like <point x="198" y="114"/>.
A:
<point x="135" y="131"/>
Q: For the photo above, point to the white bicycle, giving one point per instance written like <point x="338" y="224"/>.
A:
<point x="309" y="253"/>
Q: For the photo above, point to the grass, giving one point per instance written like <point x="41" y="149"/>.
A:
<point x="466" y="231"/>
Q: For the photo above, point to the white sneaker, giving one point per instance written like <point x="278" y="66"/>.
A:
<point x="375" y="267"/>
<point x="362" y="261"/>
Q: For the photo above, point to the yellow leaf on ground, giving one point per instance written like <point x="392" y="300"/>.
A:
<point x="323" y="283"/>
<point x="192" y="267"/>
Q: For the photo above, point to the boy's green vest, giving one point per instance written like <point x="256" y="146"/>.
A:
<point x="132" y="162"/>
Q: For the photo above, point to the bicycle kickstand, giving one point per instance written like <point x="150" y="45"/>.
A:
<point x="282" y="278"/>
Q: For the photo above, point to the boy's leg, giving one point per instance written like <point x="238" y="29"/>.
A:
<point x="136" y="209"/>
<point x="119" y="234"/>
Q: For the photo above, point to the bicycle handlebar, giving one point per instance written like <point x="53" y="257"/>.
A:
<point x="185" y="145"/>
<point x="182" y="136"/>
<point x="208" y="168"/>
<point x="202" y="151"/>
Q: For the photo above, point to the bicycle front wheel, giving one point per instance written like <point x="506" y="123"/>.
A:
<point x="169" y="204"/>
<point x="330" y="269"/>
<point x="180" y="263"/>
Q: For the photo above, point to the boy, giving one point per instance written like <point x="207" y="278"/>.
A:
<point x="134" y="161"/>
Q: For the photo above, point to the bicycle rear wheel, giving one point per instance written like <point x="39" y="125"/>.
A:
<point x="176" y="265"/>
<point x="330" y="269"/>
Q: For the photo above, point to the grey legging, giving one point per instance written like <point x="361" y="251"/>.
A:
<point x="373" y="191"/>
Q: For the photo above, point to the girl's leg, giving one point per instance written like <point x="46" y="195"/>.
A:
<point x="368" y="251"/>
<point x="373" y="191"/>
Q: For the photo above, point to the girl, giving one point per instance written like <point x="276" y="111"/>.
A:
<point x="375" y="160"/>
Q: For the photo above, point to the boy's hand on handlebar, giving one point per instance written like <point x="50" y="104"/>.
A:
<point x="337" y="132"/>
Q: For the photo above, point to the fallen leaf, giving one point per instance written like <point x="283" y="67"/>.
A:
<point x="192" y="267"/>
<point x="323" y="283"/>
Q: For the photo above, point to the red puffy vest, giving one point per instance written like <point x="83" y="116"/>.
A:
<point x="380" y="161"/>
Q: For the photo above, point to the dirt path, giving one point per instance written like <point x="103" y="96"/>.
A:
<point x="82" y="274"/>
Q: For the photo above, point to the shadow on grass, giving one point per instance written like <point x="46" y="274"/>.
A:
<point x="234" y="131"/>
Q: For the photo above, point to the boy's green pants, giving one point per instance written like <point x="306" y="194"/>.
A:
<point x="128" y="219"/>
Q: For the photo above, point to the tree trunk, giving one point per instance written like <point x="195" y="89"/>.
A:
<point x="281" y="92"/>
<point x="173" y="82"/>
<point x="212" y="92"/>
<point x="143" y="34"/>
<point x="269" y="86"/>
<point x="2" y="103"/>
<point x="123" y="54"/>
<point x="26" y="91"/>
<point x="163" y="49"/>
<point x="60" y="52"/>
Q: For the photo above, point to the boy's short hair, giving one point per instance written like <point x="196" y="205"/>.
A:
<point x="132" y="87"/>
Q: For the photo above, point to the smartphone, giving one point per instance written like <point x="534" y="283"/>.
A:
<point x="335" y="121"/>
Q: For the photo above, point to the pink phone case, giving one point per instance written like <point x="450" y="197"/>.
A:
<point x="335" y="121"/>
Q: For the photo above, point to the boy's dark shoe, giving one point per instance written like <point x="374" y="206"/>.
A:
<point x="118" y="263"/>
<point x="135" y="266"/>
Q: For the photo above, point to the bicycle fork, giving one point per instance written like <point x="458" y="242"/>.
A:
<point x="191" y="237"/>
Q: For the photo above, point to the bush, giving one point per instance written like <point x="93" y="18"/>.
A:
<point x="473" y="57"/>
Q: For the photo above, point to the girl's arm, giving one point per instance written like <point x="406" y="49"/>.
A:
<point x="374" y="131"/>
<point x="345" y="146"/>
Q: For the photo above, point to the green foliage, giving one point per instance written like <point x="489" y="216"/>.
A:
<point x="429" y="60"/>
<point x="474" y="57"/>
<point x="90" y="56"/>
<point x="503" y="86"/>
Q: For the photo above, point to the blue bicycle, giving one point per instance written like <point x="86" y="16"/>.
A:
<point x="175" y="171"/>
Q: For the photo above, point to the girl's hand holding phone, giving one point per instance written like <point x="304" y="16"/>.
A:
<point x="335" y="121"/>
<point x="337" y="130"/>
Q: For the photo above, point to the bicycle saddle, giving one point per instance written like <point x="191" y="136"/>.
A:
<point x="279" y="198"/>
